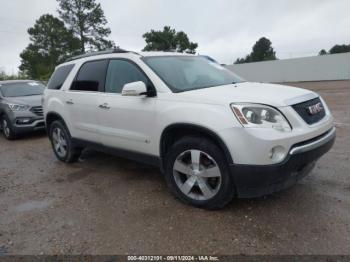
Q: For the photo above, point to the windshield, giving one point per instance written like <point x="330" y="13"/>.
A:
<point x="184" y="73"/>
<point x="21" y="89"/>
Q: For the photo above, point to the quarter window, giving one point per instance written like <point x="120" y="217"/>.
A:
<point x="91" y="76"/>
<point x="59" y="76"/>
<point x="121" y="72"/>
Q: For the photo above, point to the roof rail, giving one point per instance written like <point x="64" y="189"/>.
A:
<point x="115" y="50"/>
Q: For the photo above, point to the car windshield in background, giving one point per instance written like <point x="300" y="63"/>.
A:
<point x="22" y="89"/>
<point x="184" y="73"/>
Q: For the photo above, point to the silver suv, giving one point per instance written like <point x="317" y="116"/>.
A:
<point x="20" y="107"/>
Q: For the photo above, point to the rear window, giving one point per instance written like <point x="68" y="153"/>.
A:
<point x="91" y="76"/>
<point x="59" y="76"/>
<point x="22" y="89"/>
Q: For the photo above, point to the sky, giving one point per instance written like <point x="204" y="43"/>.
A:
<point x="223" y="29"/>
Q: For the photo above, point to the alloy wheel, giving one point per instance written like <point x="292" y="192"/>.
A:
<point x="6" y="128"/>
<point x="59" y="142"/>
<point x="197" y="175"/>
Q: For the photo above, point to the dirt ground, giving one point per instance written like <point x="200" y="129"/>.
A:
<point x="107" y="205"/>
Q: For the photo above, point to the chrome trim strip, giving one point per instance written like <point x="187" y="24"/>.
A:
<point x="323" y="140"/>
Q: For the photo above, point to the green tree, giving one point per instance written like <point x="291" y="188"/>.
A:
<point x="169" y="40"/>
<point x="3" y="75"/>
<point x="87" y="21"/>
<point x="247" y="59"/>
<point x="262" y="51"/>
<point x="51" y="43"/>
<point x="323" y="52"/>
<point x="339" y="49"/>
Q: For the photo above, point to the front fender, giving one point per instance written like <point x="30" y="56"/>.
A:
<point x="211" y="118"/>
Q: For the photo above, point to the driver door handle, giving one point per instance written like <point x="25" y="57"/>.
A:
<point x="104" y="106"/>
<point x="70" y="102"/>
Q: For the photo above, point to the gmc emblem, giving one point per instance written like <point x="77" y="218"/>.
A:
<point x="314" y="109"/>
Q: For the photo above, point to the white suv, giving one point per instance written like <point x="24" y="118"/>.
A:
<point x="213" y="135"/>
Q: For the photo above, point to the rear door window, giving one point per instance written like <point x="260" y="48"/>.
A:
<point x="59" y="76"/>
<point x="91" y="76"/>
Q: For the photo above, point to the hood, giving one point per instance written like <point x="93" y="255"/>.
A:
<point x="249" y="92"/>
<point x="25" y="100"/>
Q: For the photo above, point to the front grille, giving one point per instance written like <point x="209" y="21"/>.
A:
<point x="303" y="110"/>
<point x="38" y="110"/>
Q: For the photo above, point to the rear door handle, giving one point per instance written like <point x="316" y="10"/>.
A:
<point x="70" y="102"/>
<point x="104" y="106"/>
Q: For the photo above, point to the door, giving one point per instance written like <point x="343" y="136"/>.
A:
<point x="82" y="100"/>
<point x="126" y="122"/>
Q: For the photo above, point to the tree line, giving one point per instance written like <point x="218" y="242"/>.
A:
<point x="263" y="51"/>
<point x="81" y="26"/>
<point x="337" y="49"/>
<point x="5" y="76"/>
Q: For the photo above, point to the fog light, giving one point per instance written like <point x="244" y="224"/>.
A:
<point x="277" y="154"/>
<point x="23" y="121"/>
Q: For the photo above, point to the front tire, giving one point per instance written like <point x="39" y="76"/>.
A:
<point x="197" y="172"/>
<point x="7" y="128"/>
<point x="61" y="142"/>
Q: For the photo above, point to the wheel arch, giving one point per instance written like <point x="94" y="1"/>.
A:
<point x="175" y="131"/>
<point x="2" y="112"/>
<point x="51" y="117"/>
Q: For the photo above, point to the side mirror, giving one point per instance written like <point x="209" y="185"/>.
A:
<point x="134" y="89"/>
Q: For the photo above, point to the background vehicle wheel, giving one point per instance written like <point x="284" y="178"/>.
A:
<point x="7" y="128"/>
<point x="197" y="172"/>
<point x="61" y="142"/>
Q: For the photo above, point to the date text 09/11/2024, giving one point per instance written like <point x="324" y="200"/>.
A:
<point x="172" y="258"/>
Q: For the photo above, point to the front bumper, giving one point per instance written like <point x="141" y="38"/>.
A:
<point x="36" y="124"/>
<point x="255" y="181"/>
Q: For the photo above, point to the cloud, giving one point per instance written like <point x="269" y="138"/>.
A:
<point x="224" y="29"/>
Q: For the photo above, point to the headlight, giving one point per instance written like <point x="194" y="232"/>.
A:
<point x="16" y="107"/>
<point x="255" y="115"/>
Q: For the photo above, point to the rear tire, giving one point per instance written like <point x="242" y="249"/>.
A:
<point x="62" y="144"/>
<point x="7" y="128"/>
<point x="197" y="172"/>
